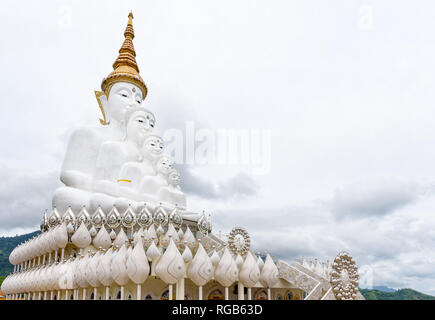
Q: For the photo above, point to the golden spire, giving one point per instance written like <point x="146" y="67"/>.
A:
<point x="125" y="67"/>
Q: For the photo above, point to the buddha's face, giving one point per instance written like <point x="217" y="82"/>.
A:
<point x="153" y="146"/>
<point x="122" y="96"/>
<point x="164" y="165"/>
<point x="137" y="127"/>
<point x="150" y="120"/>
<point x="174" y="178"/>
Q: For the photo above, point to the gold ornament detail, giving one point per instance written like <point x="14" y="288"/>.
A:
<point x="239" y="241"/>
<point x="344" y="277"/>
<point x="125" y="68"/>
<point x="98" y="95"/>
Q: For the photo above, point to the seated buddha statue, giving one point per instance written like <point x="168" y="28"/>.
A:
<point x="121" y="89"/>
<point x="133" y="172"/>
<point x="172" y="193"/>
<point x="113" y="154"/>
<point x="150" y="185"/>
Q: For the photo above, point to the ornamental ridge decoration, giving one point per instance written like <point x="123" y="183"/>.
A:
<point x="344" y="277"/>
<point x="239" y="241"/>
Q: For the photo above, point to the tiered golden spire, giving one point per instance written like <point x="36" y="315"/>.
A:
<point x="125" y="67"/>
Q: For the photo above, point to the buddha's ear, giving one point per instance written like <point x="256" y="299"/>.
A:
<point x="102" y="103"/>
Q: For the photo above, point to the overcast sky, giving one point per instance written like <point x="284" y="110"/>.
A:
<point x="346" y="89"/>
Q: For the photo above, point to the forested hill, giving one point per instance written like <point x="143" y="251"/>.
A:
<point x="401" y="294"/>
<point x="7" y="244"/>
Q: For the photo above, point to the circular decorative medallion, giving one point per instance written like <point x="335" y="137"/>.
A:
<point x="344" y="277"/>
<point x="145" y="218"/>
<point x="239" y="241"/>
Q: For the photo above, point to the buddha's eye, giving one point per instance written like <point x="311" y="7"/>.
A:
<point x="124" y="95"/>
<point x="140" y="120"/>
<point x="138" y="101"/>
<point x="152" y="144"/>
<point x="152" y="125"/>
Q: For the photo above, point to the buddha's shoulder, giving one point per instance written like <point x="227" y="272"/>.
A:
<point x="89" y="133"/>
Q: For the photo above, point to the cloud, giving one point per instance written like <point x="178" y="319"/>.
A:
<point x="239" y="186"/>
<point x="24" y="195"/>
<point x="372" y="198"/>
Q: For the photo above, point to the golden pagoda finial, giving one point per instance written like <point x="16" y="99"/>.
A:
<point x="125" y="67"/>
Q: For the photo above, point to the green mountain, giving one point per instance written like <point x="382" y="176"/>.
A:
<point x="401" y="294"/>
<point x="7" y="244"/>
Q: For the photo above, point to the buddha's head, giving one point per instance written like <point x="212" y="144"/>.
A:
<point x="123" y="87"/>
<point x="121" y="97"/>
<point x="174" y="178"/>
<point x="152" y="146"/>
<point x="164" y="165"/>
<point x="137" y="124"/>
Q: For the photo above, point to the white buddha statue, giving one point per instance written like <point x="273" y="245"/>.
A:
<point x="113" y="154"/>
<point x="172" y="193"/>
<point x="150" y="185"/>
<point x="122" y="89"/>
<point x="133" y="172"/>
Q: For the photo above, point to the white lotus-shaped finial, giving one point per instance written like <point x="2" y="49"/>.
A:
<point x="250" y="272"/>
<point x="118" y="266"/>
<point x="200" y="270"/>
<point x="81" y="237"/>
<point x="170" y="268"/>
<point x="226" y="272"/>
<point x="137" y="264"/>
<point x="269" y="273"/>
<point x="102" y="239"/>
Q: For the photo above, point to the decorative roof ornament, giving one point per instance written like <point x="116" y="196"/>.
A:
<point x="99" y="218"/>
<point x="69" y="217"/>
<point x="203" y="226"/>
<point x="125" y="68"/>
<point x="344" y="277"/>
<point x="44" y="224"/>
<point x="128" y="218"/>
<point x="113" y="218"/>
<point x="239" y="241"/>
<point x="145" y="218"/>
<point x="54" y="218"/>
<point x="175" y="217"/>
<point x="84" y="217"/>
<point x="161" y="216"/>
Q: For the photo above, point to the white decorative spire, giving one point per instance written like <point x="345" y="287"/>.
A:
<point x="118" y="267"/>
<point x="102" y="239"/>
<point x="226" y="272"/>
<point x="269" y="273"/>
<point x="170" y="267"/>
<point x="200" y="270"/>
<point x="120" y="239"/>
<point x="250" y="271"/>
<point x="137" y="264"/>
<point x="81" y="237"/>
